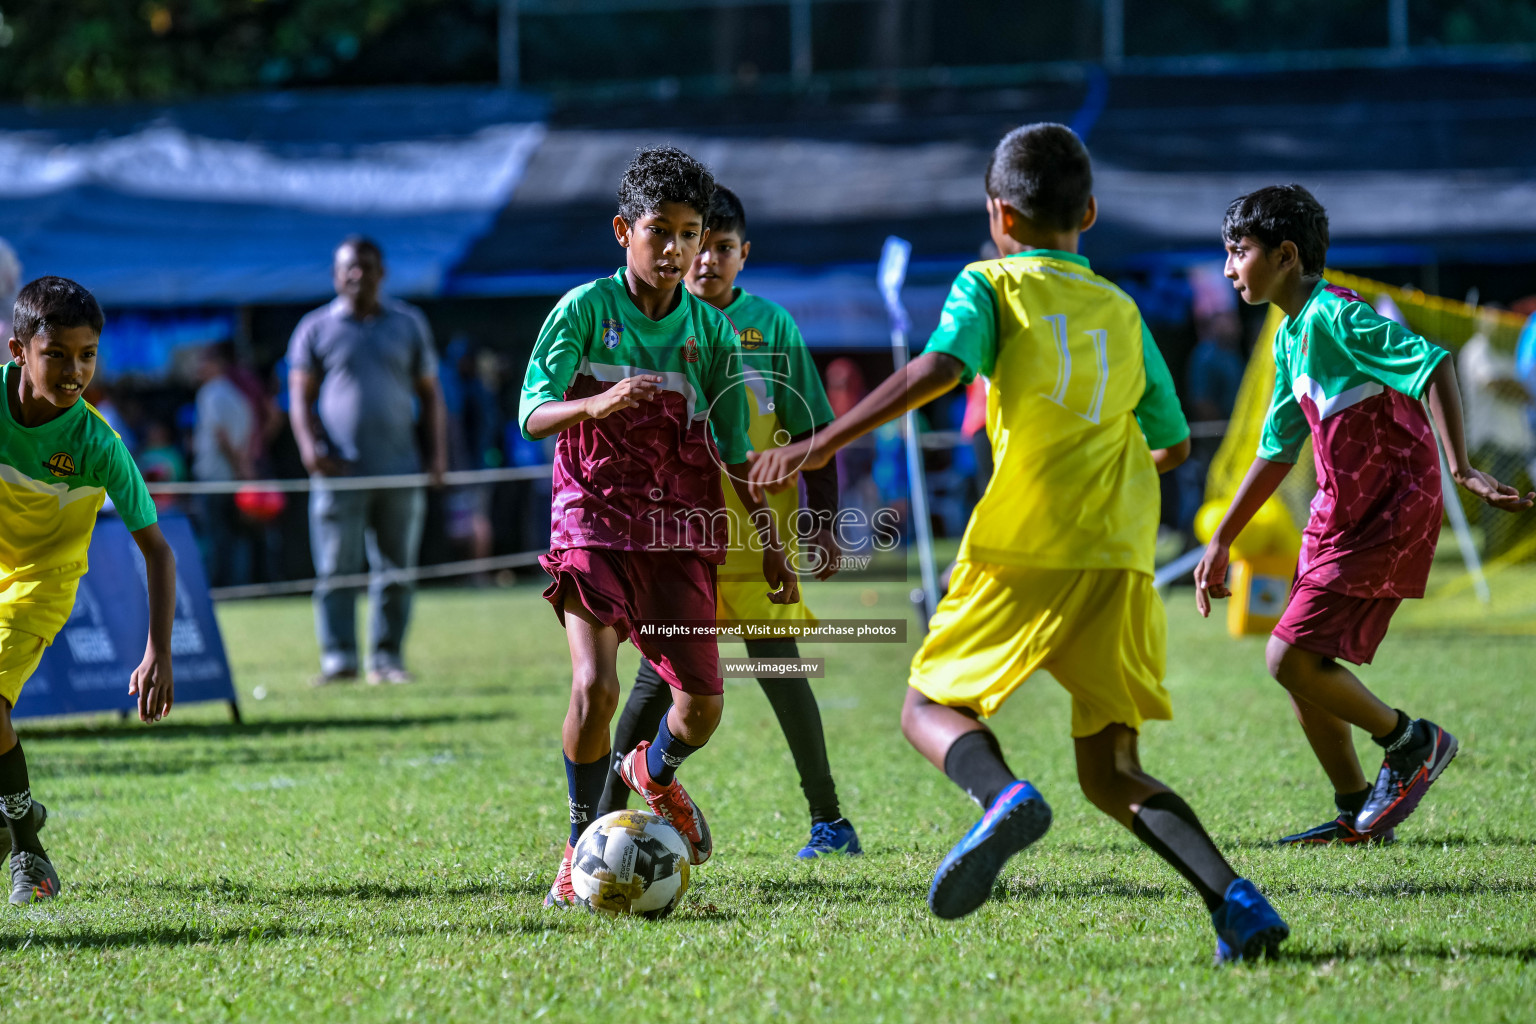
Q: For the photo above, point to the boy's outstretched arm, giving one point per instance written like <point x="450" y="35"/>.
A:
<point x="1444" y="399"/>
<point x="1258" y="486"/>
<point x="784" y="585"/>
<point x="918" y="383"/>
<point x="151" y="681"/>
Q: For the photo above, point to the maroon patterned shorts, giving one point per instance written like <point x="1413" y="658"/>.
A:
<point x="633" y="590"/>
<point x="1335" y="625"/>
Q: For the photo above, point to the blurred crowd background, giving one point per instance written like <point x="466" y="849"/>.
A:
<point x="196" y="163"/>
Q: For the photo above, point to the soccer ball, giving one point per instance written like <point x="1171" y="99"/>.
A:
<point x="631" y="862"/>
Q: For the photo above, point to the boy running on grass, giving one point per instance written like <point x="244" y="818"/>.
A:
<point x="788" y="402"/>
<point x="1352" y="379"/>
<point x="642" y="383"/>
<point x="1055" y="569"/>
<point x="58" y="462"/>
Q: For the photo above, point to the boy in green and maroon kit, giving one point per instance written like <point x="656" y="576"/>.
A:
<point x="1351" y="379"/>
<point x="59" y="460"/>
<point x="788" y="403"/>
<point x="643" y="384"/>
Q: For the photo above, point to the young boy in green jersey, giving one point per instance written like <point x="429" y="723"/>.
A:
<point x="641" y="381"/>
<point x="1352" y="379"/>
<point x="1055" y="568"/>
<point x="788" y="403"/>
<point x="59" y="460"/>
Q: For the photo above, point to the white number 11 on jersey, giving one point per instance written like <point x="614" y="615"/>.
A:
<point x="1100" y="340"/>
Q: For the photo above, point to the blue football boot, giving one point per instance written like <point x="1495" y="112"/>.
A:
<point x="829" y="837"/>
<point x="964" y="880"/>
<point x="1246" y="925"/>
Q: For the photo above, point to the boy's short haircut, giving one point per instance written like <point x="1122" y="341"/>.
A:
<point x="54" y="303"/>
<point x="1043" y="171"/>
<point x="664" y="174"/>
<point x="360" y="244"/>
<point x="726" y="214"/>
<point x="1279" y="213"/>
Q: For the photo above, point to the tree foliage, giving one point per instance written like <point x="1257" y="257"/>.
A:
<point x="95" y="50"/>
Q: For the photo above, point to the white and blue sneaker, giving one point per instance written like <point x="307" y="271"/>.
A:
<point x="964" y="880"/>
<point x="829" y="837"/>
<point x="1246" y="925"/>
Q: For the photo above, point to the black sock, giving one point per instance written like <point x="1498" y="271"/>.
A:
<point x="794" y="704"/>
<point x="584" y="786"/>
<point x="1350" y="803"/>
<point x="1168" y="825"/>
<point x="16" y="801"/>
<point x="1388" y="741"/>
<point x="666" y="754"/>
<point x="974" y="762"/>
<point x="648" y="703"/>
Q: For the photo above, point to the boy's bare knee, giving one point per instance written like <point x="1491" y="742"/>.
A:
<point x="596" y="690"/>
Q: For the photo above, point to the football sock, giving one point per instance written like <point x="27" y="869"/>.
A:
<point x="1169" y="826"/>
<point x="974" y="762"/>
<point x="1350" y="803"/>
<point x="664" y="755"/>
<point x="799" y="717"/>
<point x="1398" y="736"/>
<point x="648" y="703"/>
<point x="16" y="800"/>
<point x="584" y="784"/>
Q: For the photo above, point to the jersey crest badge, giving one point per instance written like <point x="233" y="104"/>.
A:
<point x="61" y="464"/>
<point x="613" y="332"/>
<point x="691" y="350"/>
<point x="751" y="339"/>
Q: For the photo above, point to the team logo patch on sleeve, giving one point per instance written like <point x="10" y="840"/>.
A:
<point x="751" y="339"/>
<point x="613" y="332"/>
<point x="61" y="464"/>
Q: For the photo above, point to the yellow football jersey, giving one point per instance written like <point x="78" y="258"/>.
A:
<point x="1078" y="397"/>
<point x="53" y="480"/>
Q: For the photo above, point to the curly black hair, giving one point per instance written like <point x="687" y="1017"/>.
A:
<point x="664" y="174"/>
<point x="1276" y="213"/>
<point x="53" y="303"/>
<point x="1043" y="171"/>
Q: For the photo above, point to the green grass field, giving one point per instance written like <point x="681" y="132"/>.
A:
<point x="380" y="853"/>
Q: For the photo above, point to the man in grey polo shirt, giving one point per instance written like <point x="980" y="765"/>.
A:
<point x="358" y="367"/>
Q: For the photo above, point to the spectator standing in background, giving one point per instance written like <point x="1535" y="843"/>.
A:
<point x="358" y="367"/>
<point x="473" y="423"/>
<point x="161" y="462"/>
<point x="221" y="452"/>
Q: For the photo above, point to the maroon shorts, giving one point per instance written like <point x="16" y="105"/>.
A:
<point x="1335" y="625"/>
<point x="633" y="590"/>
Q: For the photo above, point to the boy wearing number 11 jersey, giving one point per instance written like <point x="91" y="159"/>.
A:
<point x="1055" y="569"/>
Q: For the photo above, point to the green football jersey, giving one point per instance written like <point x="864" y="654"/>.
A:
<point x="787" y="400"/>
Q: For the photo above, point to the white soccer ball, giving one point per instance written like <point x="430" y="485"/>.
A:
<point x="631" y="862"/>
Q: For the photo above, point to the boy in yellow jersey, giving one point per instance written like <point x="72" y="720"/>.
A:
<point x="788" y="402"/>
<point x="58" y="461"/>
<point x="1055" y="569"/>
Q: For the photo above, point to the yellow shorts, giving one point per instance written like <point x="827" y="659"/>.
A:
<point x="19" y="655"/>
<point x="1101" y="632"/>
<point x="737" y="600"/>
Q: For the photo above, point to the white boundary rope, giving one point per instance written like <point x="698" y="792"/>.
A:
<point x="458" y="478"/>
<point x="359" y="580"/>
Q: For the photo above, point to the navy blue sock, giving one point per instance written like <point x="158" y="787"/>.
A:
<point x="665" y="754"/>
<point x="584" y="784"/>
